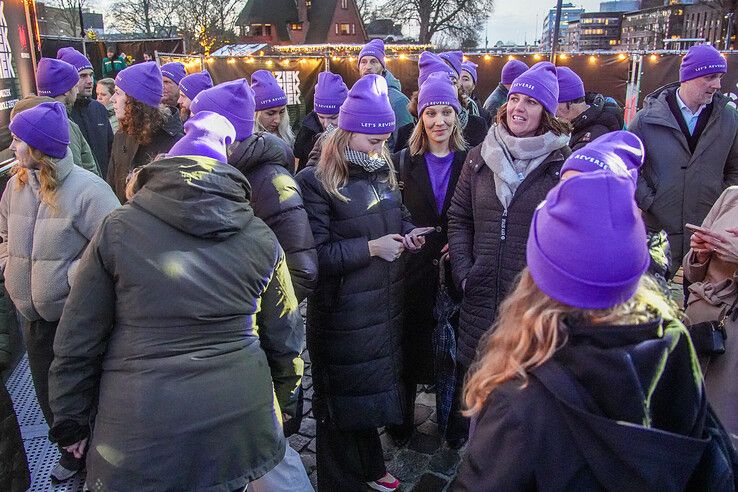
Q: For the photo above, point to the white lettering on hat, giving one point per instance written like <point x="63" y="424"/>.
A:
<point x="326" y="106"/>
<point x="711" y="66"/>
<point x="439" y="103"/>
<point x="274" y="99"/>
<point x="378" y="125"/>
<point x="526" y="85"/>
<point x="592" y="160"/>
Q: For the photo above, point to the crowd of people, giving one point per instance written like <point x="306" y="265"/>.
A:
<point x="514" y="255"/>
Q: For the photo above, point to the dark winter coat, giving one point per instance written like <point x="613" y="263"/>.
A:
<point x="421" y="269"/>
<point x="487" y="244"/>
<point x="583" y="422"/>
<point x="92" y="119"/>
<point x="127" y="154"/>
<point x="474" y="133"/>
<point x="158" y="337"/>
<point x="496" y="99"/>
<point x="597" y="120"/>
<point x="309" y="131"/>
<point x="277" y="200"/>
<point x="354" y="317"/>
<point x="676" y="186"/>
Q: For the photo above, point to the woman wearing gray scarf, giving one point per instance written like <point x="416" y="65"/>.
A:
<point x="502" y="182"/>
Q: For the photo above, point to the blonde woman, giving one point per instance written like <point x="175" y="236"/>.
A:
<point x="429" y="170"/>
<point x="48" y="214"/>
<point x="271" y="107"/>
<point x="587" y="381"/>
<point x="354" y="315"/>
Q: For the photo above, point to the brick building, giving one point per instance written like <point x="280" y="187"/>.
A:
<point x="301" y="22"/>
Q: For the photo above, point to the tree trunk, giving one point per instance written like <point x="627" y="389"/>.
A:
<point x="424" y="14"/>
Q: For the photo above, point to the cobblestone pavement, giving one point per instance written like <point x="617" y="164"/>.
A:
<point x="425" y="464"/>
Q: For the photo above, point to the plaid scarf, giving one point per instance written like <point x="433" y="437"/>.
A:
<point x="365" y="161"/>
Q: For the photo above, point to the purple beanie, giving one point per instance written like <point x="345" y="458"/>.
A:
<point x="233" y="100"/>
<point x="207" y="134"/>
<point x="511" y="70"/>
<point x="367" y="108"/>
<point x="374" y="48"/>
<point x="74" y="58"/>
<point x="330" y="92"/>
<point x="438" y="90"/>
<point x="470" y="67"/>
<point x="455" y="59"/>
<point x="430" y="63"/>
<point x="193" y="84"/>
<point x="142" y="82"/>
<point x="620" y="152"/>
<point x="44" y="127"/>
<point x="540" y="83"/>
<point x="267" y="92"/>
<point x="702" y="60"/>
<point x="571" y="86"/>
<point x="174" y="71"/>
<point x="55" y="77"/>
<point x="587" y="244"/>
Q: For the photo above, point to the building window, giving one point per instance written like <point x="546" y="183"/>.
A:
<point x="344" y="4"/>
<point x="343" y="29"/>
<point x="296" y="26"/>
<point x="261" y="29"/>
<point x="353" y="28"/>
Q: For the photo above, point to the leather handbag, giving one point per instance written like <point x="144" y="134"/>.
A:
<point x="709" y="337"/>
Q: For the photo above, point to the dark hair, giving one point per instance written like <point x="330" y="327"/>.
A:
<point x="412" y="106"/>
<point x="578" y="100"/>
<point x="549" y="122"/>
<point x="142" y="121"/>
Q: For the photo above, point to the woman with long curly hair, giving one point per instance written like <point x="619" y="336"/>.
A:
<point x="147" y="128"/>
<point x="354" y="316"/>
<point x="48" y="214"/>
<point x="587" y="380"/>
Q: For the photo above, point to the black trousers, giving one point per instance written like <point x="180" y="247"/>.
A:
<point x="39" y="336"/>
<point x="458" y="425"/>
<point x="346" y="460"/>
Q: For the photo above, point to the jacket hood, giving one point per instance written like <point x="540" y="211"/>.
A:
<point x="637" y="395"/>
<point x="392" y="81"/>
<point x="260" y="149"/>
<point x="196" y="195"/>
<point x="598" y="114"/>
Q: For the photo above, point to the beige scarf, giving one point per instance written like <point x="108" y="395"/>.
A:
<point x="512" y="159"/>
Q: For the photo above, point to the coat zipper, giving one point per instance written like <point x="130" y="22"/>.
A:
<point x="503" y="239"/>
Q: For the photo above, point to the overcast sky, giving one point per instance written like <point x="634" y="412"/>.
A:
<point x="515" y="20"/>
<point x="512" y="20"/>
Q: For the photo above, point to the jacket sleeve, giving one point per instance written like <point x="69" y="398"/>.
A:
<point x="730" y="174"/>
<point x="304" y="142"/>
<point x="402" y="115"/>
<point x="85" y="159"/>
<point x="498" y="456"/>
<point x="461" y="227"/>
<point x="645" y="192"/>
<point x="335" y="257"/>
<point x="280" y="206"/>
<point x="96" y="202"/>
<point x="82" y="339"/>
<point x="694" y="271"/>
<point x="282" y="335"/>
<point x="595" y="131"/>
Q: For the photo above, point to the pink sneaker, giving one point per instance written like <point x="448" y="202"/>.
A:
<point x="387" y="483"/>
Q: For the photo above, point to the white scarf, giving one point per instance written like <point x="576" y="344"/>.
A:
<point x="512" y="159"/>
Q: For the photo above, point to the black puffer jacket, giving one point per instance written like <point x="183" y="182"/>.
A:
<point x="487" y="244"/>
<point x="474" y="133"/>
<point x="354" y="317"/>
<point x="421" y="277"/>
<point x="92" y="119"/>
<point x="599" y="119"/>
<point x="276" y="198"/>
<point x="305" y="139"/>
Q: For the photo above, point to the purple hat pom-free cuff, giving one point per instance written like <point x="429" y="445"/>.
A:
<point x="619" y="152"/>
<point x="195" y="83"/>
<point x="174" y="71"/>
<point x="75" y="58"/>
<point x="571" y="86"/>
<point x="511" y="70"/>
<point x="330" y="93"/>
<point x="267" y="92"/>
<point x="702" y="60"/>
<point x="374" y="48"/>
<point x="367" y="108"/>
<point x="540" y="83"/>
<point x="55" y="77"/>
<point x="587" y="245"/>
<point x="234" y="100"/>
<point x="142" y="82"/>
<point x="43" y="127"/>
<point x="438" y="90"/>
